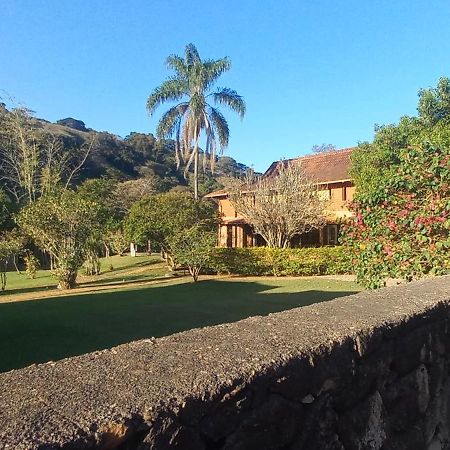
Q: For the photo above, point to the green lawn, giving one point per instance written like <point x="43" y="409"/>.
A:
<point x="53" y="328"/>
<point x="116" y="269"/>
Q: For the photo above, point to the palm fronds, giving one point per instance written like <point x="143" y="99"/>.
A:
<point x="187" y="120"/>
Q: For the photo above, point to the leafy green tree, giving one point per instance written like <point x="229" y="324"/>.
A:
<point x="62" y="225"/>
<point x="434" y="103"/>
<point x="158" y="218"/>
<point x="143" y="144"/>
<point x="117" y="241"/>
<point x="230" y="167"/>
<point x="101" y="192"/>
<point x="373" y="163"/>
<point x="402" y="206"/>
<point x="193" y="248"/>
<point x="11" y="244"/>
<point x="402" y="230"/>
<point x="192" y="84"/>
<point x="7" y="208"/>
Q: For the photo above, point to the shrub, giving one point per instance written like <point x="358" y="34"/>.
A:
<point x="402" y="230"/>
<point x="192" y="248"/>
<point x="281" y="261"/>
<point x="31" y="264"/>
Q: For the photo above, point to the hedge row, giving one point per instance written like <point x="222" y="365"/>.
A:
<point x="281" y="262"/>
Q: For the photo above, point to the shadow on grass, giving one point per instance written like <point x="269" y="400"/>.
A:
<point x="113" y="280"/>
<point x="13" y="291"/>
<point x="54" y="328"/>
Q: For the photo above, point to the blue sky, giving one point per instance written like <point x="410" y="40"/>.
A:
<point x="311" y="72"/>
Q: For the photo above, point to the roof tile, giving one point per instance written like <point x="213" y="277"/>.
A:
<point x="323" y="167"/>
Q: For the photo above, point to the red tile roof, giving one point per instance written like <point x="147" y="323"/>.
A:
<point x="324" y="167"/>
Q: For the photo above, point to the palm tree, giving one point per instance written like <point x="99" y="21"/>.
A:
<point x="191" y="86"/>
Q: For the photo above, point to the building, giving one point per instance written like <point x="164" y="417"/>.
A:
<point x="330" y="170"/>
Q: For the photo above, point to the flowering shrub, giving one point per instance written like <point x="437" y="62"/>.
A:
<point x="402" y="229"/>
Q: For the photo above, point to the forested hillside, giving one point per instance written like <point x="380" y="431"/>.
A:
<point x="137" y="156"/>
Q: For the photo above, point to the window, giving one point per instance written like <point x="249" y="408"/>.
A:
<point x="229" y="236"/>
<point x="332" y="234"/>
<point x="344" y="193"/>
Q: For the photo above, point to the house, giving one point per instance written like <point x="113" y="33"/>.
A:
<point x="330" y="170"/>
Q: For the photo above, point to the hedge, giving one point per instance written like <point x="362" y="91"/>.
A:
<point x="281" y="262"/>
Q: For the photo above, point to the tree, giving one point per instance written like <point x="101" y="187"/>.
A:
<point x="11" y="244"/>
<point x="192" y="248"/>
<point x="128" y="192"/>
<point x="323" y="148"/>
<point x="402" y="207"/>
<point x="192" y="84"/>
<point x="117" y="240"/>
<point x="62" y="225"/>
<point x="6" y="209"/>
<point x="31" y="264"/>
<point x="372" y="163"/>
<point x="101" y="192"/>
<point x="280" y="206"/>
<point x="402" y="230"/>
<point x="434" y="103"/>
<point x="34" y="162"/>
<point x="158" y="218"/>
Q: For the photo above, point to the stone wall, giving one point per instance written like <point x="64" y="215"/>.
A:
<point x="368" y="371"/>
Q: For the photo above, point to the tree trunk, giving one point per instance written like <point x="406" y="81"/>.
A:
<point x="3" y="278"/>
<point x="196" y="163"/>
<point x="67" y="279"/>
<point x="194" y="273"/>
<point x="132" y="249"/>
<point x="106" y="250"/>
<point x="196" y="173"/>
<point x="15" y="264"/>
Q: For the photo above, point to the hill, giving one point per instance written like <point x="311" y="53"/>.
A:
<point x="136" y="156"/>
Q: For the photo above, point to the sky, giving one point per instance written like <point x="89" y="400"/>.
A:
<point x="311" y="72"/>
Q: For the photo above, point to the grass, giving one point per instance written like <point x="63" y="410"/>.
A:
<point x="124" y="269"/>
<point x="53" y="328"/>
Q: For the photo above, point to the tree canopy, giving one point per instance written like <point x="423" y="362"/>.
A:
<point x="402" y="206"/>
<point x="191" y="88"/>
<point x="62" y="225"/>
<point x="158" y="218"/>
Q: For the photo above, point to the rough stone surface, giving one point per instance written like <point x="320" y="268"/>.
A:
<point x="368" y="371"/>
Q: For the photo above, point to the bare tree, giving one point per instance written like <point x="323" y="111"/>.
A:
<point x="33" y="161"/>
<point x="18" y="154"/>
<point x="281" y="205"/>
<point x="323" y="148"/>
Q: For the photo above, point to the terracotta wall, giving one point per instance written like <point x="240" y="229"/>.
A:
<point x="226" y="208"/>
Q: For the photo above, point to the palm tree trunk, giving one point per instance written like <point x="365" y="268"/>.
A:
<point x="196" y="135"/>
<point x="196" y="174"/>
